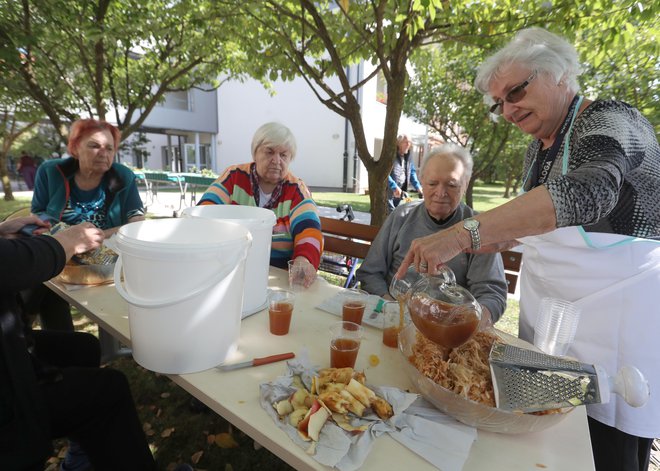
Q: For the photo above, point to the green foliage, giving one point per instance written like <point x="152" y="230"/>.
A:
<point x="617" y="42"/>
<point x="90" y="57"/>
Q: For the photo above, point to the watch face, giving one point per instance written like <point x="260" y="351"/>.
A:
<point x="471" y="224"/>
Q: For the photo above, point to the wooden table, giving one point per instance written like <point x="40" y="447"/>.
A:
<point x="235" y="394"/>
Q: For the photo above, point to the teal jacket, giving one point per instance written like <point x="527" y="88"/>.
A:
<point x="52" y="190"/>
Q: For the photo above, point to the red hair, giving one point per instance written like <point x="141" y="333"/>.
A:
<point x="82" y="128"/>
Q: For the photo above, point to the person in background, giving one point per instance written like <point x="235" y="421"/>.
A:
<point x="589" y="222"/>
<point x="89" y="187"/>
<point x="403" y="176"/>
<point x="445" y="174"/>
<point x="50" y="382"/>
<point x="266" y="182"/>
<point x="27" y="168"/>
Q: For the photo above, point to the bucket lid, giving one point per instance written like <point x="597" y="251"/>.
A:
<point x="232" y="212"/>
<point x="181" y="235"/>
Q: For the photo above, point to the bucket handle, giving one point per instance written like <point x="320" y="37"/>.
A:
<point x="168" y="302"/>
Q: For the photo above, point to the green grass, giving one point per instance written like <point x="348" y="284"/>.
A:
<point x="8" y="207"/>
<point x="331" y="200"/>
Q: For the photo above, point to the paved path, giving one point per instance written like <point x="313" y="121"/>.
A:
<point x="166" y="204"/>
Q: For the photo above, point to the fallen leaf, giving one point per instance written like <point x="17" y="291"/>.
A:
<point x="150" y="433"/>
<point x="159" y="412"/>
<point x="210" y="439"/>
<point x="225" y="440"/>
<point x="167" y="432"/>
<point x="146" y="426"/>
<point x="165" y="395"/>
<point x="196" y="457"/>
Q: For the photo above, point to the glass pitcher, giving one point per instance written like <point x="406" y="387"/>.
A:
<point x="444" y="312"/>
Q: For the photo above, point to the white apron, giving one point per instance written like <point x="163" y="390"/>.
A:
<point x="615" y="281"/>
<point x="617" y="287"/>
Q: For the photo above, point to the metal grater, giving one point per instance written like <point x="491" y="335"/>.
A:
<point x="529" y="381"/>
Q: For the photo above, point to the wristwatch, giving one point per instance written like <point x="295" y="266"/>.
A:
<point x="472" y="226"/>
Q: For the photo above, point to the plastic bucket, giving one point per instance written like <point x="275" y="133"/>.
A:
<point x="259" y="222"/>
<point x="183" y="281"/>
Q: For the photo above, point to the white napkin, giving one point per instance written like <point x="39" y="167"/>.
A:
<point x="372" y="312"/>
<point x="437" y="438"/>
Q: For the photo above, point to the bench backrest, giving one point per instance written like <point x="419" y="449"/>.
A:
<point x="347" y="238"/>
<point x="512" y="262"/>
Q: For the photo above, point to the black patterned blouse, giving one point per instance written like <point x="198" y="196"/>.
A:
<point x="613" y="180"/>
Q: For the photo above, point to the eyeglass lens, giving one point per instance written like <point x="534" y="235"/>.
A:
<point x="516" y="94"/>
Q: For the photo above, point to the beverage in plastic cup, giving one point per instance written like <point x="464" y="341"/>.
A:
<point x="345" y="338"/>
<point x="556" y="325"/>
<point x="296" y="277"/>
<point x="353" y="304"/>
<point x="394" y="320"/>
<point x="280" y="310"/>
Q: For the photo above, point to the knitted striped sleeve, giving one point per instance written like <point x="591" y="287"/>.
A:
<point x="232" y="187"/>
<point x="298" y="228"/>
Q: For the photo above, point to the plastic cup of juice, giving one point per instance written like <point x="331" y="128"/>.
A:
<point x="345" y="338"/>
<point x="280" y="311"/>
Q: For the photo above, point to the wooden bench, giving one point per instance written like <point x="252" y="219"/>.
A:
<point x="512" y="262"/>
<point x="344" y="244"/>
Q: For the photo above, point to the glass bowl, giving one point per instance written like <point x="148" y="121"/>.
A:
<point x="470" y="412"/>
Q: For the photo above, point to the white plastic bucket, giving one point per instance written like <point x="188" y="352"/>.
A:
<point x="183" y="281"/>
<point x="259" y="222"/>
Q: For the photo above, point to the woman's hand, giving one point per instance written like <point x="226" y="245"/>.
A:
<point x="303" y="268"/>
<point x="80" y="238"/>
<point x="429" y="253"/>
<point x="12" y="227"/>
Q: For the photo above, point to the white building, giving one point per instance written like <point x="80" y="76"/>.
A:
<point x="214" y="130"/>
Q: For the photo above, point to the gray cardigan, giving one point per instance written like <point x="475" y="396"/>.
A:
<point x="482" y="275"/>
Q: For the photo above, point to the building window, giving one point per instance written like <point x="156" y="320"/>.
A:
<point x="177" y="101"/>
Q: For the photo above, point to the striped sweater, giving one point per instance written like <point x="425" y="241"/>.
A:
<point x="297" y="231"/>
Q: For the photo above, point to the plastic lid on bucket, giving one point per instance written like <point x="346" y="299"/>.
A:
<point x="249" y="215"/>
<point x="180" y="236"/>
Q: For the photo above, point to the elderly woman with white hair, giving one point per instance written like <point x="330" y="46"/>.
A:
<point x="589" y="221"/>
<point x="267" y="183"/>
<point x="445" y="174"/>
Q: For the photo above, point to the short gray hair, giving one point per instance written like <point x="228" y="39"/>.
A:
<point x="451" y="150"/>
<point x="274" y="134"/>
<point x="537" y="49"/>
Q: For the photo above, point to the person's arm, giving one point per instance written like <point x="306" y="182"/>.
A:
<point x="222" y="189"/>
<point x="41" y="257"/>
<point x="373" y="270"/>
<point x="487" y="283"/>
<point x="40" y="193"/>
<point x="532" y="213"/>
<point x="306" y="229"/>
<point x="414" y="180"/>
<point x="391" y="184"/>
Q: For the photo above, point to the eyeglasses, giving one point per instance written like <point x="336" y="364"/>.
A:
<point x="516" y="94"/>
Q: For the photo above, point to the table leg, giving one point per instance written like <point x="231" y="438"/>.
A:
<point x="110" y="347"/>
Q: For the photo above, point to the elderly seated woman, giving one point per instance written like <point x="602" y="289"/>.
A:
<point x="445" y="174"/>
<point x="267" y="183"/>
<point x="88" y="187"/>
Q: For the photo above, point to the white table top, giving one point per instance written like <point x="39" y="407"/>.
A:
<point x="235" y="394"/>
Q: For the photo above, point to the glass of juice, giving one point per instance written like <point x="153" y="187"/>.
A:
<point x="353" y="303"/>
<point x="394" y="320"/>
<point x="280" y="310"/>
<point x="345" y="338"/>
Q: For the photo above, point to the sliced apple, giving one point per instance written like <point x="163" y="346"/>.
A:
<point x="283" y="407"/>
